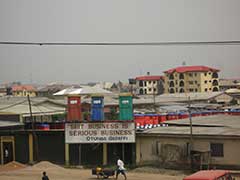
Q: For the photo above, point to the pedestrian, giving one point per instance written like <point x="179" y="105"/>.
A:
<point x="120" y="168"/>
<point x="45" y="177"/>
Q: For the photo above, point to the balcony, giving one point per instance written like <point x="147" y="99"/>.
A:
<point x="181" y="84"/>
<point x="215" y="75"/>
<point x="171" y="84"/>
<point x="171" y="90"/>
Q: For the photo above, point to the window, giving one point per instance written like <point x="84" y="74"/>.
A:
<point x="205" y="89"/>
<point x="150" y="89"/>
<point x="154" y="89"/>
<point x="181" y="76"/>
<point x="190" y="74"/>
<point x="205" y="82"/>
<point x="191" y="90"/>
<point x="149" y="82"/>
<point x="215" y="89"/>
<point x="195" y="74"/>
<point x="205" y="74"/>
<point x="210" y="89"/>
<point x="215" y="82"/>
<point x="154" y="82"/>
<point x="171" y="91"/>
<point x="216" y="149"/>
<point x="141" y="83"/>
<point x="196" y="90"/>
<point x="195" y="82"/>
<point x="145" y="83"/>
<point x="210" y="81"/>
<point x="215" y="75"/>
<point x="181" y="90"/>
<point x="190" y="82"/>
<point x="176" y="89"/>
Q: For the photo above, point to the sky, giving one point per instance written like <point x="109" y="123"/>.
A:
<point x="114" y="21"/>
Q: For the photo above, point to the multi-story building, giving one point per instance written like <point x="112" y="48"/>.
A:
<point x="23" y="90"/>
<point x="150" y="85"/>
<point x="186" y="79"/>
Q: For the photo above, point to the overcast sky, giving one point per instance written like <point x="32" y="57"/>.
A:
<point x="114" y="21"/>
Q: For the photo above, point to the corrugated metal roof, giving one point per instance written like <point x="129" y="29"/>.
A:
<point x="9" y="124"/>
<point x="220" y="125"/>
<point x="83" y="90"/>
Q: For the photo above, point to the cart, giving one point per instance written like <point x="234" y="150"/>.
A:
<point x="103" y="173"/>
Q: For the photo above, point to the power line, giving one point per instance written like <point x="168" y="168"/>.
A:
<point x="166" y="43"/>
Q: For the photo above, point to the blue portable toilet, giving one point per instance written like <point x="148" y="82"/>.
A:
<point x="97" y="110"/>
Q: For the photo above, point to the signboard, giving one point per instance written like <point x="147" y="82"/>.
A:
<point x="100" y="132"/>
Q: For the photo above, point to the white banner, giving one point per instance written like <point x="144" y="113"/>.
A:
<point x="104" y="132"/>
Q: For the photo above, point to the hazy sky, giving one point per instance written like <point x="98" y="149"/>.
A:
<point x="114" y="21"/>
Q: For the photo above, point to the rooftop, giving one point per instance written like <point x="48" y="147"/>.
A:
<point x="219" y="125"/>
<point x="149" y="78"/>
<point x="183" y="69"/>
<point x="23" y="87"/>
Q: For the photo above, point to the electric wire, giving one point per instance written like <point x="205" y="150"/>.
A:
<point x="163" y="43"/>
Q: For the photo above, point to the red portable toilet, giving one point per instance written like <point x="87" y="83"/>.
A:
<point x="74" y="108"/>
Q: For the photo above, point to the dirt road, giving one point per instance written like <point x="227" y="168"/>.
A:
<point x="59" y="173"/>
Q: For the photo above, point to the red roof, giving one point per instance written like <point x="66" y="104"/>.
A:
<point x="149" y="78"/>
<point x="206" y="175"/>
<point x="183" y="69"/>
<point x="23" y="87"/>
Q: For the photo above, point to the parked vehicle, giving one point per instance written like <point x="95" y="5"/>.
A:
<point x="210" y="175"/>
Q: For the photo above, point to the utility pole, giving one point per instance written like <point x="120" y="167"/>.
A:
<point x="154" y="98"/>
<point x="190" y="119"/>
<point x="35" y="142"/>
<point x="191" y="132"/>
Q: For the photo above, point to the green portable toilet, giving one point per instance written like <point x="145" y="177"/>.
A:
<point x="125" y="107"/>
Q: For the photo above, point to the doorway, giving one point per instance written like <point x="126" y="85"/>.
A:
<point x="7" y="152"/>
<point x="7" y="149"/>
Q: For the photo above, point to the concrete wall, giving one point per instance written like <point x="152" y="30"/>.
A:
<point x="173" y="152"/>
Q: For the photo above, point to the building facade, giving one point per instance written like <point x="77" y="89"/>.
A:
<point x="191" y="79"/>
<point x="23" y="90"/>
<point x="149" y="85"/>
<point x="225" y="84"/>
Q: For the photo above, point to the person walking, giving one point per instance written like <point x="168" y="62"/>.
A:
<point x="120" y="168"/>
<point x="45" y="177"/>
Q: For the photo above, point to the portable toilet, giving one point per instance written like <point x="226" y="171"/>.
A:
<point x="74" y="108"/>
<point x="97" y="108"/>
<point x="125" y="107"/>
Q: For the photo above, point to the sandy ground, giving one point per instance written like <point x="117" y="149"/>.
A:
<point x="20" y="172"/>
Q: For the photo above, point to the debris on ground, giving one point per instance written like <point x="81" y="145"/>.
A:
<point x="155" y="170"/>
<point x="11" y="166"/>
